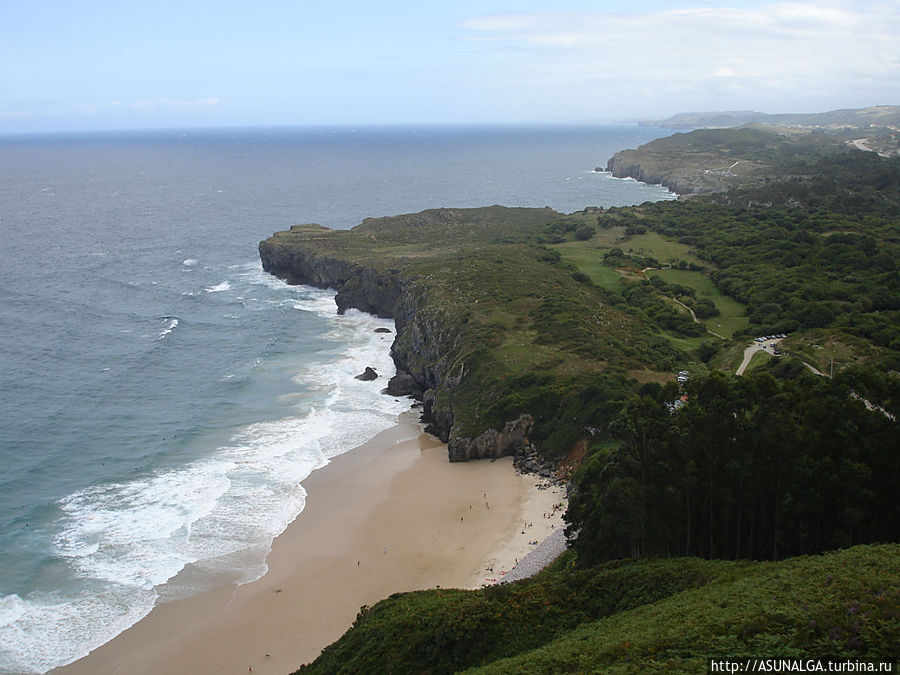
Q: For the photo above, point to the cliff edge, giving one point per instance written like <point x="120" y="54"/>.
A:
<point x="397" y="268"/>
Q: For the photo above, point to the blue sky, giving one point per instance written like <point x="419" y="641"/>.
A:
<point x="95" y="64"/>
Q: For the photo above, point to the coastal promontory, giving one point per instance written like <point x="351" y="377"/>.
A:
<point x="736" y="149"/>
<point x="495" y="333"/>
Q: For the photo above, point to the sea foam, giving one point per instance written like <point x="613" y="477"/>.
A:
<point x="218" y="288"/>
<point x="170" y="323"/>
<point x="217" y="514"/>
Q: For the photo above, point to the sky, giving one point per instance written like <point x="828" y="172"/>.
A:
<point x="100" y="64"/>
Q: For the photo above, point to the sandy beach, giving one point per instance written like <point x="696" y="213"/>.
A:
<point x="392" y="515"/>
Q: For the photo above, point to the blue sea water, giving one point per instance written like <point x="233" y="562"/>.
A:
<point x="161" y="398"/>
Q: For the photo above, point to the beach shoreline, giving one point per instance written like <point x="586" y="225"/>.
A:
<point x="392" y="515"/>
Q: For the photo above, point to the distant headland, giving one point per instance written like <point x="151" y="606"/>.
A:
<point x="736" y="149"/>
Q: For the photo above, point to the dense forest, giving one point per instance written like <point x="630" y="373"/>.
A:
<point x="750" y="467"/>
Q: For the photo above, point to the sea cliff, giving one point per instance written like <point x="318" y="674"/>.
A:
<point x="700" y="162"/>
<point x="357" y="286"/>
<point x="427" y="347"/>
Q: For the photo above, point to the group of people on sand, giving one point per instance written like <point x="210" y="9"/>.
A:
<point x="556" y="507"/>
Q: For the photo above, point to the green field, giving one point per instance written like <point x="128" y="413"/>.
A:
<point x="667" y="251"/>
<point x="733" y="314"/>
<point x="688" y="344"/>
<point x="588" y="255"/>
<point x="588" y="258"/>
<point x="729" y="358"/>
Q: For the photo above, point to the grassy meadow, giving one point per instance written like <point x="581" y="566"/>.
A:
<point x="733" y="315"/>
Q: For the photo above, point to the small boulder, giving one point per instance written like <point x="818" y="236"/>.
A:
<point x="382" y="330"/>
<point x="367" y="375"/>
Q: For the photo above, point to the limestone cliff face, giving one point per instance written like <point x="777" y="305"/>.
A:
<point x="421" y="346"/>
<point x="625" y="164"/>
<point x="630" y="164"/>
<point x="512" y="440"/>
<point x="357" y="287"/>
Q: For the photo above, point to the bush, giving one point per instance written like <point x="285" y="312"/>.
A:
<point x="584" y="232"/>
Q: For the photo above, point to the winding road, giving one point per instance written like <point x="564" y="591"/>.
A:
<point x="770" y="344"/>
<point x="694" y="317"/>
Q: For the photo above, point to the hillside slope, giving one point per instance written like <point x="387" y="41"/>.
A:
<point x="636" y="616"/>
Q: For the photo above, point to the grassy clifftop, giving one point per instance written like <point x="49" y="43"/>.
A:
<point x="398" y="242"/>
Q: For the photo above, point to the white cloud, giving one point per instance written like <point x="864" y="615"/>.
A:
<point x="776" y="52"/>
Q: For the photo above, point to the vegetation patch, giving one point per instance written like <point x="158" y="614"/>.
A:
<point x="808" y="607"/>
<point x="666" y="251"/>
<point x="588" y="258"/>
<point x="732" y="315"/>
<point x="649" y="615"/>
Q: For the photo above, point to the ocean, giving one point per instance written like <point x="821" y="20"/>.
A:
<point x="161" y="398"/>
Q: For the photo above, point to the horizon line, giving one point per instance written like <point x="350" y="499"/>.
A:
<point x="343" y="126"/>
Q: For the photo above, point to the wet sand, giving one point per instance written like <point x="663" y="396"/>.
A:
<point x="392" y="515"/>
